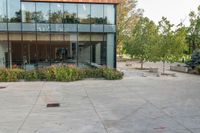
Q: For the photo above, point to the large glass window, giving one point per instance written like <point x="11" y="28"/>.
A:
<point x="42" y="16"/>
<point x="14" y="12"/>
<point x="97" y="14"/>
<point x="70" y="13"/>
<point x="71" y="40"/>
<point x="109" y="14"/>
<point x="63" y="50"/>
<point x="56" y="14"/>
<point x="29" y="53"/>
<point x="28" y="12"/>
<point x="84" y="13"/>
<point x="98" y="49"/>
<point x="84" y="49"/>
<point x="42" y="12"/>
<point x="43" y="49"/>
<point x="3" y="16"/>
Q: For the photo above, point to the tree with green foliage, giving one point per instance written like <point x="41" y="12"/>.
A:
<point x="194" y="30"/>
<point x="141" y="43"/>
<point x="127" y="17"/>
<point x="172" y="44"/>
<point x="17" y="17"/>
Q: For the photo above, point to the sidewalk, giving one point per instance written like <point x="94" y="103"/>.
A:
<point x="133" y="105"/>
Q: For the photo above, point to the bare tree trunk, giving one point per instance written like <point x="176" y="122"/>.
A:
<point x="163" y="67"/>
<point x="142" y="64"/>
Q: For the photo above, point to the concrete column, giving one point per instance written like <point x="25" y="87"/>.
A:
<point x="110" y="50"/>
<point x="10" y="54"/>
<point x="3" y="50"/>
<point x="98" y="53"/>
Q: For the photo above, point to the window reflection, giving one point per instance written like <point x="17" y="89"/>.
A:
<point x="28" y="12"/>
<point x="97" y="14"/>
<point x="14" y="12"/>
<point x="70" y="13"/>
<point x="3" y="11"/>
<point x="84" y="13"/>
<point x="56" y="14"/>
<point x="42" y="12"/>
<point x="109" y="14"/>
<point x="67" y="13"/>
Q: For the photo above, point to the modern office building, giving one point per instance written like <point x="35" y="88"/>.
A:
<point x="37" y="33"/>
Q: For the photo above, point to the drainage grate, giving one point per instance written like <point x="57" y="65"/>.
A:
<point x="2" y="87"/>
<point x="51" y="105"/>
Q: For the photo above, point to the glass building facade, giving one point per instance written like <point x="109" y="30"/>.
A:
<point x="37" y="34"/>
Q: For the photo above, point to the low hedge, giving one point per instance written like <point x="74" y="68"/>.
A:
<point x="61" y="73"/>
<point x="11" y="75"/>
<point x="111" y="74"/>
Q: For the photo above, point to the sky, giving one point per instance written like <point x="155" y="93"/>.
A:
<point x="175" y="10"/>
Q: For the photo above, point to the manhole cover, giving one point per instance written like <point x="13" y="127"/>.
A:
<point x="2" y="87"/>
<point x="50" y="105"/>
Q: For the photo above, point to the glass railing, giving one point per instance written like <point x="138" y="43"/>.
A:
<point x="46" y="27"/>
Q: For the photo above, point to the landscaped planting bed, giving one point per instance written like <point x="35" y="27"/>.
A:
<point x="61" y="73"/>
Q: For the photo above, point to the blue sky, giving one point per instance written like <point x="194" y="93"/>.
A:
<point x="175" y="10"/>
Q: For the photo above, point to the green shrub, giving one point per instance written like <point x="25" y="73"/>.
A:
<point x="93" y="73"/>
<point x="15" y="74"/>
<point x="11" y="75"/>
<point x="41" y="74"/>
<point x="31" y="75"/>
<point x="65" y="73"/>
<point x="50" y="73"/>
<point x="61" y="73"/>
<point x="112" y="74"/>
<point x="47" y="73"/>
<point x="3" y="75"/>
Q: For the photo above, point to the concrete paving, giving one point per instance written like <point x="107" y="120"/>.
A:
<point x="135" y="104"/>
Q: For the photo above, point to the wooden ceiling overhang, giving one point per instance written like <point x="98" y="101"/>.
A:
<point x="76" y="1"/>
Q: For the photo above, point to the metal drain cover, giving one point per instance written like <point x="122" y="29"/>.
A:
<point x="51" y="105"/>
<point x="2" y="87"/>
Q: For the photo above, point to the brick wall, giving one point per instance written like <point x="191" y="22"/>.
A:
<point x="79" y="1"/>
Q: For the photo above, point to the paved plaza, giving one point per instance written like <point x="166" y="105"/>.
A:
<point x="136" y="104"/>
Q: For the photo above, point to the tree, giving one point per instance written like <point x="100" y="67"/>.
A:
<point x="142" y="42"/>
<point x="172" y="44"/>
<point x="3" y="18"/>
<point x="194" y="30"/>
<point x="39" y="16"/>
<point x="127" y="17"/>
<point x="56" y="17"/>
<point x="17" y="17"/>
